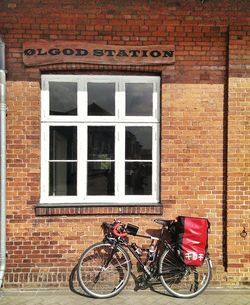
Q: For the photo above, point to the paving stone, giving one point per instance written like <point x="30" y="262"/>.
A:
<point x="147" y="297"/>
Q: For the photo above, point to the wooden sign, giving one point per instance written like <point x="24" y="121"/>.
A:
<point x="44" y="52"/>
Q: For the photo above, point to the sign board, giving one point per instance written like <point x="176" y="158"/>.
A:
<point x="44" y="52"/>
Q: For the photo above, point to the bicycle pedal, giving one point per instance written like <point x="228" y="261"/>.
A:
<point x="141" y="286"/>
<point x="141" y="283"/>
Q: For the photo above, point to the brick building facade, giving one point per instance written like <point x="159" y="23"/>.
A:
<point x="203" y="152"/>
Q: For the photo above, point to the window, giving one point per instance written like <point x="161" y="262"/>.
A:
<point x="99" y="139"/>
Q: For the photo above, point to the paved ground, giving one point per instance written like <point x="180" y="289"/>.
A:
<point x="147" y="297"/>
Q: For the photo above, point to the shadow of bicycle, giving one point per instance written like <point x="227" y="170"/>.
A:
<point x="74" y="285"/>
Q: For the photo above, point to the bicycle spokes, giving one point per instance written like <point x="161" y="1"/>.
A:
<point x="102" y="274"/>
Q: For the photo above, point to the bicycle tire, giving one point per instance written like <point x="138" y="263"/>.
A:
<point x="98" y="281"/>
<point x="181" y="280"/>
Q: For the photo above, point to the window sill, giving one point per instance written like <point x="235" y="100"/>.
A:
<point x="67" y="210"/>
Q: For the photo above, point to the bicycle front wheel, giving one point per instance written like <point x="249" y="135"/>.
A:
<point x="98" y="279"/>
<point x="181" y="280"/>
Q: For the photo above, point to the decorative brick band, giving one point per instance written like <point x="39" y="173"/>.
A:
<point x="101" y="210"/>
<point x="64" y="278"/>
<point x="100" y="68"/>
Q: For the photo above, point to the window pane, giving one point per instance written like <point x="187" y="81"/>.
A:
<point x="63" y="98"/>
<point x="101" y="142"/>
<point x="139" y="99"/>
<point x="101" y="99"/>
<point x="62" y="178"/>
<point x="100" y="178"/>
<point x="138" y="178"/>
<point x="138" y="143"/>
<point x="63" y="143"/>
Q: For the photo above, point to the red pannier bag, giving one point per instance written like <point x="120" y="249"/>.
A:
<point x="192" y="239"/>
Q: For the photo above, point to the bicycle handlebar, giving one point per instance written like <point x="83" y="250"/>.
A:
<point x="116" y="228"/>
<point x="117" y="233"/>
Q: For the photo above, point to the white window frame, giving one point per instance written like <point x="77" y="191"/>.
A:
<point x="82" y="121"/>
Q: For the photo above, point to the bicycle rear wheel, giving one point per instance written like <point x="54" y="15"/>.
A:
<point x="181" y="280"/>
<point x="100" y="281"/>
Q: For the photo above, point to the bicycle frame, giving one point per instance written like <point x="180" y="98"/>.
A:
<point x="159" y="241"/>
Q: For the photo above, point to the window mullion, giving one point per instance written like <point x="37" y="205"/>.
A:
<point x="81" y="100"/>
<point x="119" y="102"/>
<point x="155" y="160"/>
<point x="118" y="141"/>
<point x="117" y="184"/>
<point x="121" y="161"/>
<point x="45" y="99"/>
<point x="81" y="162"/>
<point x="156" y="108"/>
<point x="45" y="162"/>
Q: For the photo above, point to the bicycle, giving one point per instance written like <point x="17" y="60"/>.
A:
<point x="104" y="268"/>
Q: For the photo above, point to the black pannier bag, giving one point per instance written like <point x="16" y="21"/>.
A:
<point x="191" y="235"/>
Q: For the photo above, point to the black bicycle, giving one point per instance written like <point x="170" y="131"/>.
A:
<point x="104" y="268"/>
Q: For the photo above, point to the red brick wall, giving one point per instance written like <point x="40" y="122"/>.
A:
<point x="204" y="104"/>
<point x="239" y="153"/>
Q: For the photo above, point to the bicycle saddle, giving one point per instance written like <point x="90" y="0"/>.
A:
<point x="163" y="222"/>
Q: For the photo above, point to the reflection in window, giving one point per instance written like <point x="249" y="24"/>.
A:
<point x="101" y="147"/>
<point x="63" y="98"/>
<point x="139" y="99"/>
<point x="138" y="180"/>
<point x="101" y="142"/>
<point x="62" y="164"/>
<point x="138" y="143"/>
<point x="101" y="179"/>
<point x="101" y="99"/>
<point x="63" y="143"/>
<point x="62" y="178"/>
